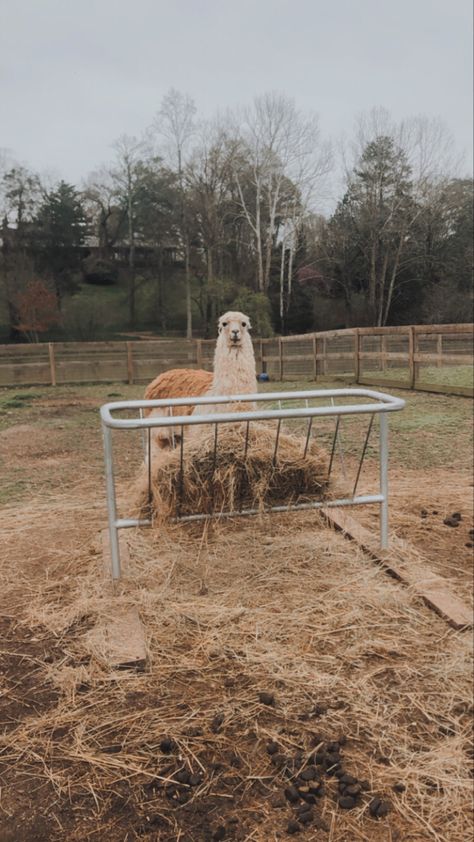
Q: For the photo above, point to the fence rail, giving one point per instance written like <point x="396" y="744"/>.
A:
<point x="437" y="358"/>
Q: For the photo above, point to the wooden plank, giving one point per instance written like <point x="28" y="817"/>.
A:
<point x="411" y="358"/>
<point x="280" y="357"/>
<point x="403" y="356"/>
<point x="436" y="388"/>
<point x="445" y="359"/>
<point x="315" y="359"/>
<point x="379" y="381"/>
<point x="199" y="353"/>
<point x="432" y="588"/>
<point x="448" y="329"/>
<point x="357" y="353"/>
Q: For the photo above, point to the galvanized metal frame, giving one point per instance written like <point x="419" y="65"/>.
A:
<point x="382" y="404"/>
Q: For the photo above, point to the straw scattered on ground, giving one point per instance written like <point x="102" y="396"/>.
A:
<point x="263" y="632"/>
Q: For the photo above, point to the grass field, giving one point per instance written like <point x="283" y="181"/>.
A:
<point x="266" y="639"/>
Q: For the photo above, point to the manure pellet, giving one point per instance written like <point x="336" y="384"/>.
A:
<point x="293" y="826"/>
<point x="449" y="521"/>
<point x="353" y="789"/>
<point x="399" y="787"/>
<point x="379" y="808"/>
<point x="266" y="698"/>
<point x="469" y="544"/>
<point x="309" y="774"/>
<point x="305" y="808"/>
<point x="166" y="745"/>
<point x="194" y="780"/>
<point x="182" y="776"/>
<point x="219" y="834"/>
<point x="306" y="818"/>
<point x="291" y="794"/>
<point x="346" y="802"/>
<point x="365" y="784"/>
<point x="471" y="533"/>
<point x="456" y="516"/>
<point x="272" y="748"/>
<point x="333" y="748"/>
<point x="340" y="773"/>
<point x="349" y="779"/>
<point x="320" y="824"/>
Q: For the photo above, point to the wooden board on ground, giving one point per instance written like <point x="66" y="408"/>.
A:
<point x="122" y="635"/>
<point x="433" y="589"/>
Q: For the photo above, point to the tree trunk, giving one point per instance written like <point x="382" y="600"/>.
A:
<point x="189" y="312"/>
<point x="131" y="262"/>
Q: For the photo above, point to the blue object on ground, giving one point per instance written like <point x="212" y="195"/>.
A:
<point x="263" y="377"/>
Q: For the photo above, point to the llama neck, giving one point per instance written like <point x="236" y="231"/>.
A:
<point x="234" y="371"/>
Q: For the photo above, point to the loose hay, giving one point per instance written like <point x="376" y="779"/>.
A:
<point x="235" y="473"/>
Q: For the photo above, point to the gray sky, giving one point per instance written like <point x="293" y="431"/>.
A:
<point x="75" y="74"/>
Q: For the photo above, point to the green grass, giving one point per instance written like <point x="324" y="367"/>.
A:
<point x="448" y="376"/>
<point x="432" y="431"/>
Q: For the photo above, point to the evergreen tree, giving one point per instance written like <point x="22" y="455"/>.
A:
<point x="61" y="228"/>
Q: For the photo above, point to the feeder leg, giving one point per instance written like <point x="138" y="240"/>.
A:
<point x="111" y="502"/>
<point x="384" y="480"/>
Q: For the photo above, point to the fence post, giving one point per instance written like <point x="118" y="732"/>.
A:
<point x="280" y="351"/>
<point x="52" y="363"/>
<point x="263" y="362"/>
<point x="357" y="355"/>
<point x="411" y="355"/>
<point x="324" y="362"/>
<point x="439" y="350"/>
<point x="315" y="359"/>
<point x="199" y="353"/>
<point x="383" y="351"/>
<point x="130" y="362"/>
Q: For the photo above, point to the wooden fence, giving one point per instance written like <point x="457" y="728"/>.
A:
<point x="436" y="358"/>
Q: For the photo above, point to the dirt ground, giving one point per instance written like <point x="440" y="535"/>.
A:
<point x="279" y="653"/>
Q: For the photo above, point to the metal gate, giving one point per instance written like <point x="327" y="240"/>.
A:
<point x="381" y="404"/>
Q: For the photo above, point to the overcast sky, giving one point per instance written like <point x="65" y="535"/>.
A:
<point x="75" y="74"/>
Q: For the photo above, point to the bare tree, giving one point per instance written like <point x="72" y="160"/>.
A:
<point x="125" y="175"/>
<point x="175" y="123"/>
<point x="278" y="144"/>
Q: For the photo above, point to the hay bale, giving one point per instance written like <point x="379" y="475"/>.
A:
<point x="235" y="475"/>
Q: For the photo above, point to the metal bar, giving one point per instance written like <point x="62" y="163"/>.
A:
<point x="338" y="420"/>
<point x="363" y="454"/>
<point x="247" y="431"/>
<point x="340" y="447"/>
<point x="386" y="403"/>
<point x="383" y="481"/>
<point x="308" y="436"/>
<point x="143" y="434"/>
<point x="170" y="412"/>
<point x="276" y="442"/>
<point x="363" y="500"/>
<point x="181" y="469"/>
<point x="214" y="458"/>
<point x="246" y="447"/>
<point x="254" y="415"/>
<point x="149" y="468"/>
<point x="111" y="502"/>
<point x="323" y="504"/>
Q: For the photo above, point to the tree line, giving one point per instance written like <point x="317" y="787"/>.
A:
<point x="200" y="216"/>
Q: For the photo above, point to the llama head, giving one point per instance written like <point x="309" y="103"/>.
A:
<point x="234" y="329"/>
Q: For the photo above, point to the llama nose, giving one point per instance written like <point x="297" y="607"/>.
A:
<point x="235" y="335"/>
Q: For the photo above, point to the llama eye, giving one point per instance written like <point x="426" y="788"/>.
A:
<point x="244" y="324"/>
<point x="224" y="324"/>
